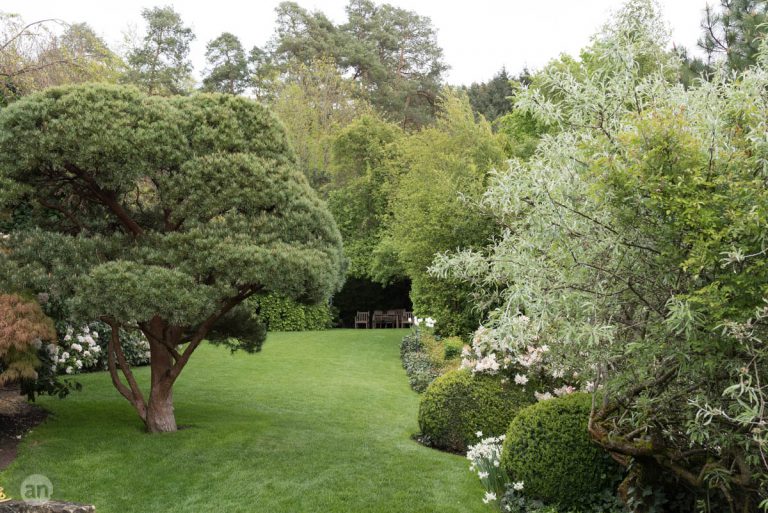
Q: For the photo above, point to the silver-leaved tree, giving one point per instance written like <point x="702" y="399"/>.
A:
<point x="631" y="262"/>
<point x="161" y="215"/>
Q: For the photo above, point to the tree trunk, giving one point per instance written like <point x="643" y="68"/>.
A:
<point x="160" y="416"/>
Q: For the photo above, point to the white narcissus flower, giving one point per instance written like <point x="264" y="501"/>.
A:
<point x="489" y="496"/>
<point x="479" y="434"/>
<point x="482" y="475"/>
<point x="518" y="486"/>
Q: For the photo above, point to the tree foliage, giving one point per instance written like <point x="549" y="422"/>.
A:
<point x="162" y="215"/>
<point x="227" y="65"/>
<point x="160" y="64"/>
<point x="431" y="210"/>
<point x="391" y="53"/>
<point x="315" y="103"/>
<point x="735" y="31"/>
<point x="365" y="175"/>
<point x="630" y="239"/>
<point x="23" y="329"/>
<point x="47" y="53"/>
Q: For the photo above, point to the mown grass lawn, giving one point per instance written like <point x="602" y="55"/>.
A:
<point x="317" y="422"/>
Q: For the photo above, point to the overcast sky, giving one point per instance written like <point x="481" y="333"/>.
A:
<point x="478" y="36"/>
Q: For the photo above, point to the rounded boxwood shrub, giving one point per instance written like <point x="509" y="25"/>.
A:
<point x="549" y="449"/>
<point x="458" y="404"/>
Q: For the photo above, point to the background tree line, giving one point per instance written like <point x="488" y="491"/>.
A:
<point x="401" y="157"/>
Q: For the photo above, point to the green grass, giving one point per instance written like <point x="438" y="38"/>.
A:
<point x="317" y="422"/>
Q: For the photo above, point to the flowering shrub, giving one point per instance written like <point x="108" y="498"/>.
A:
<point x="516" y="351"/>
<point x="84" y="349"/>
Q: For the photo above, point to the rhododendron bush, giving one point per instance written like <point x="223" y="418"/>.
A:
<point x="631" y="260"/>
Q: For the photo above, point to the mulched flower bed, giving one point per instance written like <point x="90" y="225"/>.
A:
<point x="17" y="417"/>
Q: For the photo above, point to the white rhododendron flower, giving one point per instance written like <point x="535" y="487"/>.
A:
<point x="542" y="396"/>
<point x="521" y="379"/>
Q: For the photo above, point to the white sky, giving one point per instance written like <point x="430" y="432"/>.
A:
<point x="477" y="36"/>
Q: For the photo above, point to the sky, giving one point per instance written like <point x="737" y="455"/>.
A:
<point x="478" y="36"/>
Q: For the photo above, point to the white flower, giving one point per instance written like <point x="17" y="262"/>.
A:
<point x="80" y="339"/>
<point x="68" y="370"/>
<point x="542" y="397"/>
<point x="521" y="379"/>
<point x="564" y="390"/>
<point x="53" y="368"/>
<point x="488" y="364"/>
<point x="78" y="364"/>
<point x="52" y="349"/>
<point x="96" y="349"/>
<point x="86" y="354"/>
<point x="65" y="355"/>
<point x="95" y="334"/>
<point x="430" y="322"/>
<point x="589" y="386"/>
<point x="489" y="496"/>
<point x="77" y="347"/>
<point x="482" y="475"/>
<point x="67" y="337"/>
<point x="518" y="486"/>
<point x="479" y="434"/>
<point x="496" y="463"/>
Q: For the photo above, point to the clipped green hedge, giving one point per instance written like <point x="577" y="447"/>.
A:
<point x="549" y="449"/>
<point x="459" y="404"/>
<point x="282" y="314"/>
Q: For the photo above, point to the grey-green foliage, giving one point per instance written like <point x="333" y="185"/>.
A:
<point x="160" y="63"/>
<point x="149" y="208"/>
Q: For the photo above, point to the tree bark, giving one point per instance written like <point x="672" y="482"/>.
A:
<point x="160" y="416"/>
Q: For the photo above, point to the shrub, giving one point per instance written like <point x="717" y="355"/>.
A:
<point x="411" y="344"/>
<point x="283" y="314"/>
<point x="418" y="366"/>
<point x="549" y="449"/>
<point x="453" y="347"/>
<point x="84" y="349"/>
<point x="459" y="404"/>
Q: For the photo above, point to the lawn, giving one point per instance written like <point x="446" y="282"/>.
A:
<point x="317" y="422"/>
